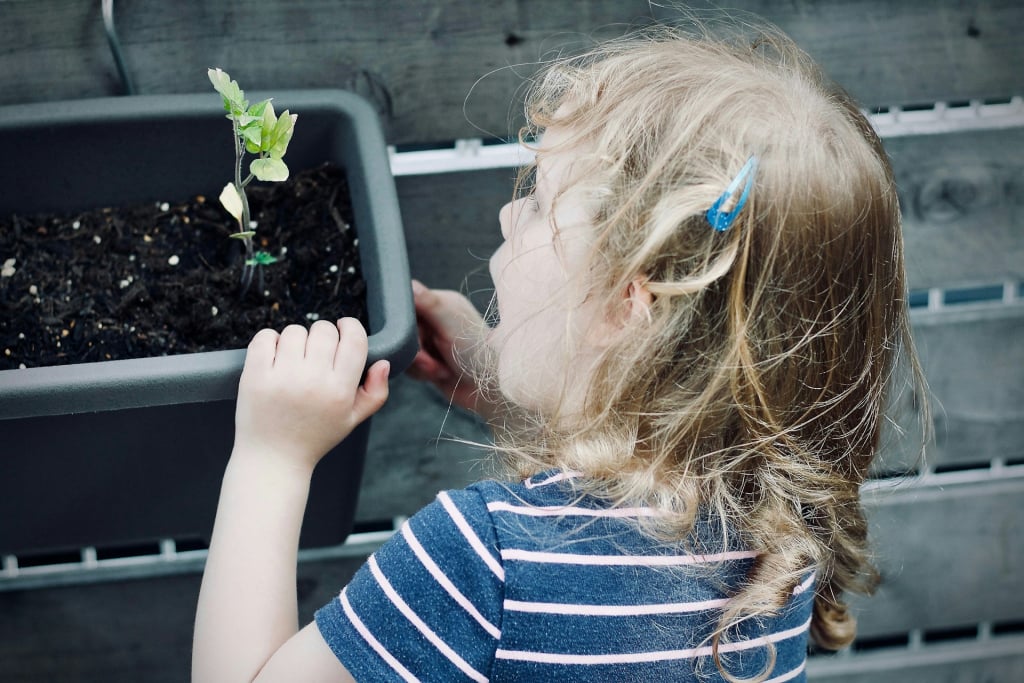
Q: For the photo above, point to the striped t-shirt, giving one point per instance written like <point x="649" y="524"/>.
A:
<point x="531" y="582"/>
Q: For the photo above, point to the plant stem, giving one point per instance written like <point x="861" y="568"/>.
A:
<point x="245" y="221"/>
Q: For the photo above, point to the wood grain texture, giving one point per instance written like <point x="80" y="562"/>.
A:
<point x="418" y="61"/>
<point x="974" y="363"/>
<point x="962" y="196"/>
<point x="950" y="556"/>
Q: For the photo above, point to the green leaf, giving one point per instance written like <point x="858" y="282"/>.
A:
<point x="282" y="134"/>
<point x="248" y="120"/>
<point x="244" y="235"/>
<point x="269" y="169"/>
<point x="252" y="135"/>
<point x="256" y="110"/>
<point x="234" y="98"/>
<point x="261" y="258"/>
<point x="267" y="125"/>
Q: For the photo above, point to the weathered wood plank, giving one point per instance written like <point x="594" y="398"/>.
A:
<point x="127" y="631"/>
<point x="974" y="362"/>
<point x="949" y="556"/>
<point x="1000" y="659"/>
<point x="418" y="61"/>
<point x="962" y="196"/>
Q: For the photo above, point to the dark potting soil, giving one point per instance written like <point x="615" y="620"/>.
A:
<point x="164" y="278"/>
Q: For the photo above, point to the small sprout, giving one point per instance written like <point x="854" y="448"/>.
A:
<point x="334" y="268"/>
<point x="174" y="260"/>
<point x="164" y="206"/>
<point x="351" y="270"/>
<point x="214" y="310"/>
<point x="124" y="284"/>
<point x="260" y="131"/>
<point x="76" y="225"/>
<point x="33" y="290"/>
<point x="261" y="258"/>
<point x="97" y="239"/>
<point x="21" y="335"/>
<point x="8" y="269"/>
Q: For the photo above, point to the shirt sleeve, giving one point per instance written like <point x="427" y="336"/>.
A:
<point x="427" y="605"/>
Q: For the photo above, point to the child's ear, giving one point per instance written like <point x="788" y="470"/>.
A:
<point x="633" y="307"/>
<point x="638" y="301"/>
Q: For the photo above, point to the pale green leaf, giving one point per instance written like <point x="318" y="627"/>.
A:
<point x="267" y="125"/>
<point x="282" y="134"/>
<point x="257" y="109"/>
<point x="273" y="170"/>
<point x="230" y="200"/>
<point x="253" y="135"/>
<point x="248" y="120"/>
<point x="234" y="98"/>
<point x="242" y="235"/>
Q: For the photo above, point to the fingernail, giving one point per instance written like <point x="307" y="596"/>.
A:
<point x="418" y="288"/>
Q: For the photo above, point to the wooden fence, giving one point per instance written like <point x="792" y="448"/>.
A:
<point x="946" y="79"/>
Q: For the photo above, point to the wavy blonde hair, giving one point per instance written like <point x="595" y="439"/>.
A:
<point x="754" y="390"/>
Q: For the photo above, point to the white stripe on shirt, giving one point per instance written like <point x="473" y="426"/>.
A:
<point x="470" y="535"/>
<point x="560" y="476"/>
<point x="645" y="657"/>
<point x="613" y="610"/>
<point x="624" y="560"/>
<point x="377" y="646"/>
<point x="420" y="625"/>
<point x="566" y="510"/>
<point x="805" y="584"/>
<point x="789" y="675"/>
<point x="428" y="562"/>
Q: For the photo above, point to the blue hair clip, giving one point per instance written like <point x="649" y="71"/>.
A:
<point x="723" y="220"/>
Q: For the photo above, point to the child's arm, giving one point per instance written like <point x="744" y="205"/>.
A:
<point x="299" y="395"/>
<point x="450" y="329"/>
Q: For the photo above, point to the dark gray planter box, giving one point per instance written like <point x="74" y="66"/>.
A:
<point x="132" y="451"/>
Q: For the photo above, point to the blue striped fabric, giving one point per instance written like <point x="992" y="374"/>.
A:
<point x="530" y="582"/>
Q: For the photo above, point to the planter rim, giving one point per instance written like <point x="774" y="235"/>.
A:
<point x="208" y="376"/>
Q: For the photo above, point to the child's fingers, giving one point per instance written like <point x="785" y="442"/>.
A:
<point x="374" y="392"/>
<point x="261" y="350"/>
<point x="350" y="356"/>
<point x="426" y="367"/>
<point x="322" y="343"/>
<point x="291" y="346"/>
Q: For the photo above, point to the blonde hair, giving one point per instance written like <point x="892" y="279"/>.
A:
<point x="754" y="390"/>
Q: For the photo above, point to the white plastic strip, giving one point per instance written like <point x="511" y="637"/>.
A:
<point x="168" y="562"/>
<point x="472" y="155"/>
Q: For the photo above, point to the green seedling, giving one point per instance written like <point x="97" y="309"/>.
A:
<point x="259" y="131"/>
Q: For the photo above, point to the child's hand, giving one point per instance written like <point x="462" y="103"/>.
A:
<point x="450" y="328"/>
<point x="299" y="394"/>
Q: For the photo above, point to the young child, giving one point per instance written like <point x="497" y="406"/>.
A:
<point x="701" y="303"/>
